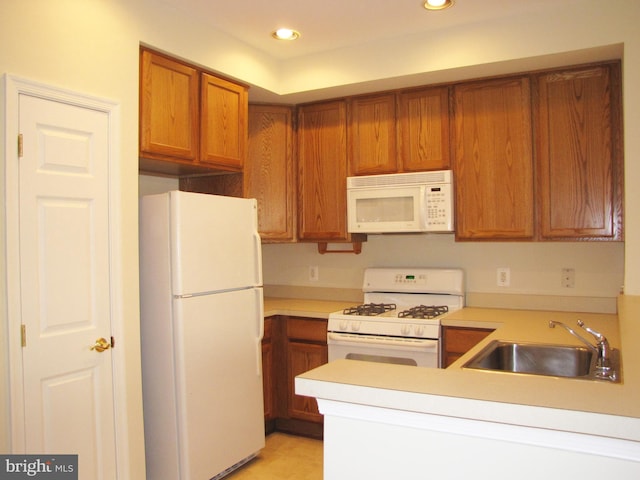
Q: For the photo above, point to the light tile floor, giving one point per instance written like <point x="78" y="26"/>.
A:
<point x="284" y="457"/>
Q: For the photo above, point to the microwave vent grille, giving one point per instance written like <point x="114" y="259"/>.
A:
<point x="438" y="176"/>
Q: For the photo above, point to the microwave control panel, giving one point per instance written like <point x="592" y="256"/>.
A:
<point x="439" y="205"/>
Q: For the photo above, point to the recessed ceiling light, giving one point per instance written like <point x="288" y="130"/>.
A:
<point x="285" y="34"/>
<point x="437" y="4"/>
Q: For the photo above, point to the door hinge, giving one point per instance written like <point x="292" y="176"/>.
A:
<point x="23" y="335"/>
<point x="20" y="146"/>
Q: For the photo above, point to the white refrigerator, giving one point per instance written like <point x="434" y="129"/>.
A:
<point x="202" y="324"/>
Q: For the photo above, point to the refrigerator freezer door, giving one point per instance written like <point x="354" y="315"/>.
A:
<point x="215" y="243"/>
<point x="219" y="381"/>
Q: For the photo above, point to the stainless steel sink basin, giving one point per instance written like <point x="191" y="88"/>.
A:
<point x="536" y="359"/>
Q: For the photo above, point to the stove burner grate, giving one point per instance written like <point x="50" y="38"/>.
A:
<point x="424" y="311"/>
<point x="370" y="309"/>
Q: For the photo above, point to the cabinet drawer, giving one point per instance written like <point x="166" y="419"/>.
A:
<point x="313" y="330"/>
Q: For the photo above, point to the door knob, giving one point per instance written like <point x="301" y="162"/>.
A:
<point x="101" y="345"/>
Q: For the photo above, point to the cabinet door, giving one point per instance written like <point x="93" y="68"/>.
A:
<point x="223" y="117"/>
<point x="372" y="135"/>
<point x="268" y="384"/>
<point x="493" y="160"/>
<point x="301" y="358"/>
<point x="456" y="341"/>
<point x="423" y="127"/>
<point x="168" y="109"/>
<point x="269" y="172"/>
<point x="322" y="168"/>
<point x="579" y="159"/>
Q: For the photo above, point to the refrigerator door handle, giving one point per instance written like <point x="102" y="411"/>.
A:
<point x="260" y="320"/>
<point x="257" y="244"/>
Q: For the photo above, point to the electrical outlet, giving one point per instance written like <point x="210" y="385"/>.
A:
<point x="314" y="273"/>
<point x="503" y="277"/>
<point x="568" y="277"/>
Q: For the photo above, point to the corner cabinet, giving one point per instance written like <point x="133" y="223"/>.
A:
<point x="269" y="174"/>
<point x="191" y="122"/>
<point x="493" y="159"/>
<point x="579" y="153"/>
<point x="322" y="172"/>
<point x="456" y="341"/>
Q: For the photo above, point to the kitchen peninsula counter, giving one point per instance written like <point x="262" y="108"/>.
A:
<point x="620" y="399"/>
<point x="542" y="411"/>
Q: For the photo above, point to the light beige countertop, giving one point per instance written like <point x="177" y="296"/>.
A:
<point x="302" y="307"/>
<point x="581" y="406"/>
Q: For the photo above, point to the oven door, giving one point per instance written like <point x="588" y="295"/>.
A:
<point x="401" y="351"/>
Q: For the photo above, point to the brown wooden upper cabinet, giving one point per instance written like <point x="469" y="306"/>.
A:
<point x="270" y="172"/>
<point x="423" y="129"/>
<point x="493" y="159"/>
<point x="579" y="153"/>
<point x="372" y="135"/>
<point x="191" y="122"/>
<point x="394" y="132"/>
<point x="322" y="172"/>
<point x="223" y="127"/>
<point x="168" y="109"/>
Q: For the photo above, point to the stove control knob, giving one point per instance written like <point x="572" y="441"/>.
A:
<point x="343" y="325"/>
<point x="419" y="330"/>
<point x="405" y="329"/>
<point x="355" y="326"/>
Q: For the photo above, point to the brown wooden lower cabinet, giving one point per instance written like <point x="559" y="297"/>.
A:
<point x="303" y="357"/>
<point x="456" y="341"/>
<point x="267" y="369"/>
<point x="294" y="345"/>
<point x="291" y="346"/>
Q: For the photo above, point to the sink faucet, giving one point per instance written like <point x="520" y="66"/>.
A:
<point x="602" y="349"/>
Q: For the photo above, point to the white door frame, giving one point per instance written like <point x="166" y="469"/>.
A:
<point x="13" y="88"/>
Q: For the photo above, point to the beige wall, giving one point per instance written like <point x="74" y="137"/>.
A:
<point x="535" y="269"/>
<point x="92" y="46"/>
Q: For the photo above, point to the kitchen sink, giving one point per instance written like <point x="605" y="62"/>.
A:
<point x="537" y="359"/>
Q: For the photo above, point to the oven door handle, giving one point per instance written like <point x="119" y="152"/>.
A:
<point x="354" y="339"/>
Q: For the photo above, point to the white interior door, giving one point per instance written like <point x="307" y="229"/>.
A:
<point x="65" y="283"/>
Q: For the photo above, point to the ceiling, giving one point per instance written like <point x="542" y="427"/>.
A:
<point x="326" y="25"/>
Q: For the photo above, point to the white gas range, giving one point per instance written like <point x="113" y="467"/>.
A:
<point x="399" y="321"/>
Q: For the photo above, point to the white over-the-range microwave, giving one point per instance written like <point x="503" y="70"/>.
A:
<point x="401" y="203"/>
